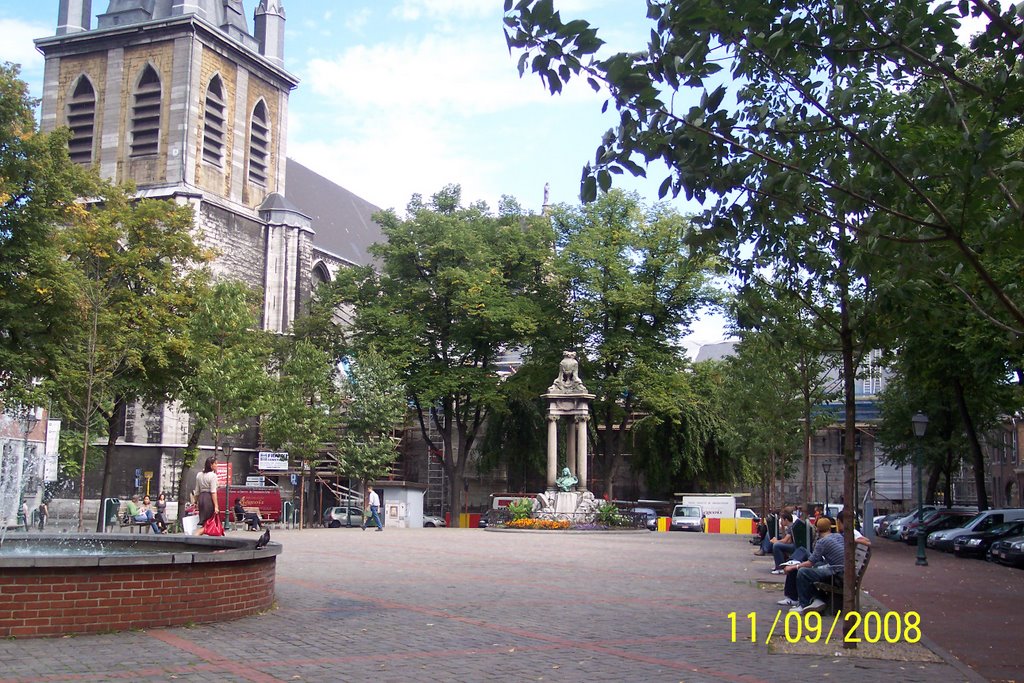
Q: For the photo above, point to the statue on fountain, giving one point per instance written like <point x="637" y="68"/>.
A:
<point x="568" y="380"/>
<point x="566" y="481"/>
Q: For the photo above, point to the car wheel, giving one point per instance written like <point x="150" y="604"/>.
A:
<point x="334" y="524"/>
<point x="429" y="524"/>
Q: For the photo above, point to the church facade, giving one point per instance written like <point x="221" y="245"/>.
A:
<point x="181" y="98"/>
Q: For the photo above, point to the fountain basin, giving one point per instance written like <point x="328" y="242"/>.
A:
<point x="58" y="584"/>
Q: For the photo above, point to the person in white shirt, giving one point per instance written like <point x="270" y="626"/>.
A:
<point x="373" y="500"/>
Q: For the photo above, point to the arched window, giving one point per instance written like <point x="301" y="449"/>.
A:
<point x="320" y="275"/>
<point x="81" y="116"/>
<point x="213" y="123"/>
<point x="259" y="144"/>
<point x="145" y="125"/>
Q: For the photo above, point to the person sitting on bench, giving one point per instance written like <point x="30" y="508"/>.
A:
<point x="142" y="515"/>
<point x="790" y="592"/>
<point x="251" y="519"/>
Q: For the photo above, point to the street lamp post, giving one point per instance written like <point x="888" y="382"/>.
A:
<point x="920" y="422"/>
<point x="227" y="447"/>
<point x="826" y="467"/>
<point x="29" y="422"/>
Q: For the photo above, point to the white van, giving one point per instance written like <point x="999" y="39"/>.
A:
<point x="687" y="518"/>
<point x="943" y="540"/>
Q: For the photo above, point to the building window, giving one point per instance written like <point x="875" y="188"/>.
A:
<point x="82" y="122"/>
<point x="146" y="114"/>
<point x="259" y="144"/>
<point x="213" y="123"/>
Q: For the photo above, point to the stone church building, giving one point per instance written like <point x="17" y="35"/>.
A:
<point x="184" y="99"/>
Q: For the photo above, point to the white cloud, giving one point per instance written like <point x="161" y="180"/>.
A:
<point x="473" y="75"/>
<point x="17" y="45"/>
<point x="412" y="10"/>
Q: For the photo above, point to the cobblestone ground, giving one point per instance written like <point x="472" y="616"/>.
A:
<point x="475" y="605"/>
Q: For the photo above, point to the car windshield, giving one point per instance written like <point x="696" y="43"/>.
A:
<point x="686" y="511"/>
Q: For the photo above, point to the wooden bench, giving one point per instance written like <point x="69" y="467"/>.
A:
<point x="123" y="520"/>
<point x="833" y="589"/>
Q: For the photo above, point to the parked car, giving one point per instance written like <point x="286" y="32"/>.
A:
<point x="650" y="517"/>
<point x="746" y="513"/>
<point x="977" y="543"/>
<point x="687" y="518"/>
<point x="882" y="522"/>
<point x="494" y="516"/>
<point x="1009" y="550"/>
<point x="343" y="515"/>
<point x="942" y="519"/>
<point x="895" y="527"/>
<point x="433" y="521"/>
<point x="982" y="521"/>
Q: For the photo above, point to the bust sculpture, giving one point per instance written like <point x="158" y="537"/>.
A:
<point x="567" y="480"/>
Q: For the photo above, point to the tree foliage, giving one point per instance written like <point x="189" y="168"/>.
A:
<point x="874" y="116"/>
<point x="374" y="402"/>
<point x="457" y="286"/>
<point x="39" y="188"/>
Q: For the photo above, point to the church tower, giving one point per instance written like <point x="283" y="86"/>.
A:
<point x="181" y="98"/>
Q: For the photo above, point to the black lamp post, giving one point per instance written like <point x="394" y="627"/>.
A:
<point x="29" y="422"/>
<point x="920" y="422"/>
<point x="227" y="447"/>
<point x="826" y="467"/>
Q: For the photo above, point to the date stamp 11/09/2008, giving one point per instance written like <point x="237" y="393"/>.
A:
<point x="870" y="627"/>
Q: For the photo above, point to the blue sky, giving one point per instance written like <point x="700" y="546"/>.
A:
<point x="405" y="96"/>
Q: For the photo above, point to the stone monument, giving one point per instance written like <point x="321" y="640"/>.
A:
<point x="568" y="402"/>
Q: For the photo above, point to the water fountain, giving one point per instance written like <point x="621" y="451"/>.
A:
<point x="59" y="584"/>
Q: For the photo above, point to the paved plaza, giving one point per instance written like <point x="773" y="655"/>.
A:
<point x="476" y="605"/>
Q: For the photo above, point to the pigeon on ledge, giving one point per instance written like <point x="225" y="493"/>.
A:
<point x="263" y="540"/>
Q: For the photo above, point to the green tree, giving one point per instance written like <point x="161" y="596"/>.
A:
<point x="632" y="288"/>
<point x="227" y="379"/>
<point x="374" y="401"/>
<point x="132" y="275"/>
<point x="456" y="287"/>
<point x="303" y="407"/>
<point x="793" y="103"/>
<point x="39" y="187"/>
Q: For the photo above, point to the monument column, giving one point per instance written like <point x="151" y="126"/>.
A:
<point x="552" y="451"/>
<point x="581" y="451"/>
<point x="570" y="447"/>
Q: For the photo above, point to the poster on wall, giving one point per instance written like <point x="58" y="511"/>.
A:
<point x="275" y="461"/>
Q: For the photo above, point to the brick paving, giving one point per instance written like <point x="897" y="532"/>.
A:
<point x="474" y="605"/>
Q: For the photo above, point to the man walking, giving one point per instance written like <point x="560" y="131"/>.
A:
<point x="374" y="502"/>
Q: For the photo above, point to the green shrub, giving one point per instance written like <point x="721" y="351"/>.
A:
<point x="521" y="508"/>
<point x="609" y="514"/>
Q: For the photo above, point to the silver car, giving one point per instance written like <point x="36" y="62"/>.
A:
<point x="343" y="515"/>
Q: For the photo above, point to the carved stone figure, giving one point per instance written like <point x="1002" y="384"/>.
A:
<point x="568" y="380"/>
<point x="567" y="480"/>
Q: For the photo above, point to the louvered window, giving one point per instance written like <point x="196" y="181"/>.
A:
<point x="213" y="123"/>
<point x="82" y="122"/>
<point x="146" y="115"/>
<point x="259" y="144"/>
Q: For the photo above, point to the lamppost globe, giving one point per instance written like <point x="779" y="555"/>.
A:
<point x="920" y="424"/>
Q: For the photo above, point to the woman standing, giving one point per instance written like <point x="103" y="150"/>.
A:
<point x="205" y="494"/>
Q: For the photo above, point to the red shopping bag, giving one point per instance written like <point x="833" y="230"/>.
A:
<point x="213" y="527"/>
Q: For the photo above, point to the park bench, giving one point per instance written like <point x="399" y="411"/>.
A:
<point x="833" y="589"/>
<point x="124" y="520"/>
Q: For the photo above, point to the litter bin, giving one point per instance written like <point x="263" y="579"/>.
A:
<point x="110" y="508"/>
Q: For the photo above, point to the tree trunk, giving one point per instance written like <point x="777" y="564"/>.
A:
<point x="977" y="456"/>
<point x="115" y="422"/>
<point x="187" y="461"/>
<point x="850" y="597"/>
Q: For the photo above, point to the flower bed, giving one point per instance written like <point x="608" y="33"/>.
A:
<point x="528" y="523"/>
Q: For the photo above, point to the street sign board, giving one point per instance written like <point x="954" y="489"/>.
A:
<point x="276" y="461"/>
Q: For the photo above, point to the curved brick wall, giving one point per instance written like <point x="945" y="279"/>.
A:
<point x="141" y="592"/>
